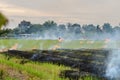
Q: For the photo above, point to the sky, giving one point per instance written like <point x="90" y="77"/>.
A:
<point x="62" y="11"/>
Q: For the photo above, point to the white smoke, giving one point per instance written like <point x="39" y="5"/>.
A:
<point x="113" y="62"/>
<point x="113" y="66"/>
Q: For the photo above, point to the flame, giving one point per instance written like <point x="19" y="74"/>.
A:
<point x="14" y="47"/>
<point x="55" y="47"/>
<point x="34" y="48"/>
<point x="3" y="50"/>
<point x="60" y="40"/>
<point x="58" y="45"/>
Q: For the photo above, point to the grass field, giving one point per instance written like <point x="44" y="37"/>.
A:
<point x="27" y="44"/>
<point x="13" y="70"/>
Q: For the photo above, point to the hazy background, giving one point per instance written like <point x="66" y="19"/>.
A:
<point x="62" y="11"/>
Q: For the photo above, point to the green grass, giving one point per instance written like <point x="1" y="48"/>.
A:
<point x="34" y="70"/>
<point x="43" y="71"/>
<point x="27" y="44"/>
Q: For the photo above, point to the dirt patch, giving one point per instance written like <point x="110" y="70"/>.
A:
<point x="13" y="73"/>
<point x="17" y="74"/>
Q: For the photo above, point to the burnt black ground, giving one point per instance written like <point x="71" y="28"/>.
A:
<point x="85" y="60"/>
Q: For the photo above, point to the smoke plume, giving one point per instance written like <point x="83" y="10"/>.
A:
<point x="113" y="62"/>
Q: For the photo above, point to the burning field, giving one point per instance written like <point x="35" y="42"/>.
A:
<point x="83" y="61"/>
<point x="28" y="44"/>
<point x="87" y="60"/>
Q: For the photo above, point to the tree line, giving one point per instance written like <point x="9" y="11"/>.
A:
<point x="51" y="29"/>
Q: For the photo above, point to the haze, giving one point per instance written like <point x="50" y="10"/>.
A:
<point x="62" y="11"/>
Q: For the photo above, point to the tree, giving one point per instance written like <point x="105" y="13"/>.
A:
<point x="107" y="28"/>
<point x="70" y="27"/>
<point x="24" y="26"/>
<point x="61" y="27"/>
<point x="50" y="24"/>
<point x="116" y="30"/>
<point x="89" y="28"/>
<point x="77" y="28"/>
<point x="3" y="20"/>
<point x="98" y="30"/>
<point x="5" y="32"/>
<point x="35" y="28"/>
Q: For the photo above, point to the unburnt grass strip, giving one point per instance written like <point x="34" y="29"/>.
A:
<point x="31" y="70"/>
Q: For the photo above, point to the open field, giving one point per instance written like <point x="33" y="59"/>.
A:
<point x="16" y="67"/>
<point x="27" y="44"/>
<point x="12" y="69"/>
<point x="86" y="54"/>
